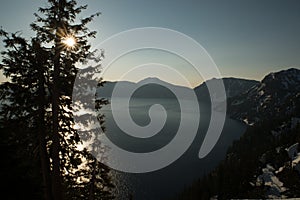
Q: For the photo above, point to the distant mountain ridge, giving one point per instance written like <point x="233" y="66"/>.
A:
<point x="146" y="88"/>
<point x="248" y="100"/>
<point x="156" y="88"/>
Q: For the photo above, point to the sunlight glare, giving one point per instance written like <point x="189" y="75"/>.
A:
<point x="69" y="41"/>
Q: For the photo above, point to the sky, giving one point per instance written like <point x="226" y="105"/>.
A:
<point x="245" y="38"/>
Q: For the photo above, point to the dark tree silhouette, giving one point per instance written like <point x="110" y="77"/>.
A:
<point x="36" y="111"/>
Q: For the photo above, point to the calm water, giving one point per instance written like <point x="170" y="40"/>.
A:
<point x="169" y="181"/>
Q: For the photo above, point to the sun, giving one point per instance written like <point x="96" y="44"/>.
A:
<point x="70" y="41"/>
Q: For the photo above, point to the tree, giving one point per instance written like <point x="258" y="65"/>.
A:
<point x="38" y="100"/>
<point x="57" y="25"/>
<point x="20" y="113"/>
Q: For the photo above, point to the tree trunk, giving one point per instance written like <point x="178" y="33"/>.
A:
<point x="92" y="182"/>
<point x="56" y="176"/>
<point x="45" y="165"/>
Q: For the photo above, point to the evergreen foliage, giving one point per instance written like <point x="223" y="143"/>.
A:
<point x="37" y="127"/>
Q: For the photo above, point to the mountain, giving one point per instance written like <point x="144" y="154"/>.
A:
<point x="146" y="88"/>
<point x="278" y="94"/>
<point x="156" y="88"/>
<point x="265" y="161"/>
<point x="233" y="87"/>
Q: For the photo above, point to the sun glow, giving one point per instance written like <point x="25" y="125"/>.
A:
<point x="69" y="41"/>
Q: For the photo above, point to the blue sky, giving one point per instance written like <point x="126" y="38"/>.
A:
<point x="245" y="38"/>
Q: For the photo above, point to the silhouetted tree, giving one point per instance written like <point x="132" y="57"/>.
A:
<point x="36" y="103"/>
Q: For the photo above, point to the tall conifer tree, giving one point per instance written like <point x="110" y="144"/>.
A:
<point x="37" y="101"/>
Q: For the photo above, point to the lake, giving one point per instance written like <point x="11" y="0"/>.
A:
<point x="171" y="180"/>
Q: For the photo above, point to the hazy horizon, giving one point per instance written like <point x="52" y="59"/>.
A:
<point x="174" y="83"/>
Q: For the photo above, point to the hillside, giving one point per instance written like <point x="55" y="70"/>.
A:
<point x="233" y="87"/>
<point x="265" y="161"/>
<point x="278" y="94"/>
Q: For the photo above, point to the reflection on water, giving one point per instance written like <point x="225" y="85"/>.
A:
<point x="170" y="180"/>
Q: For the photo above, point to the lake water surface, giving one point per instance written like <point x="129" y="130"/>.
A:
<point x="171" y="180"/>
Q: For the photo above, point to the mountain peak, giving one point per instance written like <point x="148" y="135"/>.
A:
<point x="283" y="79"/>
<point x="151" y="80"/>
<point x="288" y="72"/>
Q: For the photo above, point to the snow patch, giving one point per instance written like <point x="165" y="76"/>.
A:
<point x="273" y="184"/>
